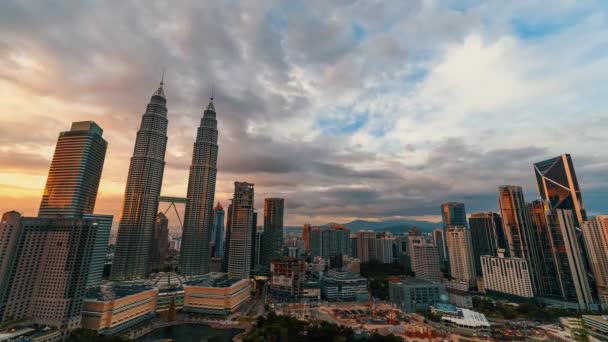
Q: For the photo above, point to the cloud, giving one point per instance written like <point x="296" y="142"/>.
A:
<point x="346" y="109"/>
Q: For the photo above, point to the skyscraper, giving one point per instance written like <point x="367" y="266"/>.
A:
<point x="73" y="180"/>
<point x="306" y="236"/>
<point x="198" y="217"/>
<point x="453" y="214"/>
<point x="460" y="249"/>
<point x="240" y="236"/>
<point x="520" y="236"/>
<point x="569" y="259"/>
<point x="414" y="238"/>
<point x="160" y="244"/>
<point x="487" y="236"/>
<point x="558" y="186"/>
<point x="384" y="247"/>
<point x="272" y="239"/>
<point x="549" y="273"/>
<point x="227" y="237"/>
<point x="595" y="232"/>
<point x="255" y="257"/>
<point x="140" y="205"/>
<point x="218" y="231"/>
<point x="439" y="238"/>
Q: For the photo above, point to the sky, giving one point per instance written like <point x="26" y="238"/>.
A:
<point x="347" y="109"/>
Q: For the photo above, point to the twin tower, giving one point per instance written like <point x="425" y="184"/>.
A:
<point x="140" y="206"/>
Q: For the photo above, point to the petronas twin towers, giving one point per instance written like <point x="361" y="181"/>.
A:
<point x="136" y="226"/>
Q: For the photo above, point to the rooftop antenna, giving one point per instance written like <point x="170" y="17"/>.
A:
<point x="162" y="78"/>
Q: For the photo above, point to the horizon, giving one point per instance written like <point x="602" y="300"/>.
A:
<point x="344" y="115"/>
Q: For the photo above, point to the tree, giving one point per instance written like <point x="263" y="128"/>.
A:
<point x="89" y="335"/>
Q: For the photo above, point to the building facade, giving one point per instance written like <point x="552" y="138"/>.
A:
<point x="112" y="309"/>
<point x="239" y="256"/>
<point x="272" y="240"/>
<point x="338" y="286"/>
<point x="508" y="276"/>
<point x="160" y="244"/>
<point x="595" y="232"/>
<point x="411" y="294"/>
<point x="140" y="204"/>
<point x="329" y="241"/>
<point x="198" y="217"/>
<point x="453" y="214"/>
<point x="462" y="265"/>
<point x="558" y="186"/>
<point x="218" y="231"/>
<point x="286" y="277"/>
<point x="73" y="180"/>
<point x="487" y="236"/>
<point x="48" y="270"/>
<point x="427" y="264"/>
<point x="306" y="237"/>
<point x="216" y="294"/>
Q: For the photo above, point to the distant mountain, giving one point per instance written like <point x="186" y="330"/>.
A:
<point x="393" y="226"/>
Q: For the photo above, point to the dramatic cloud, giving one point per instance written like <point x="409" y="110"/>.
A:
<point x="347" y="109"/>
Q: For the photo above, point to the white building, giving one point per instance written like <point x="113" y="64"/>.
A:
<point x="506" y="275"/>
<point x="460" y="251"/>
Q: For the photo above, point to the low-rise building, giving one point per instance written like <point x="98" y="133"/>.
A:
<point x="215" y="294"/>
<point x="597" y="326"/>
<point x="343" y="287"/>
<point x="109" y="309"/>
<point x="461" y="318"/>
<point x="411" y="294"/>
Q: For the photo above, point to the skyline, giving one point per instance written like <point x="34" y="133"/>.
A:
<point x="316" y="121"/>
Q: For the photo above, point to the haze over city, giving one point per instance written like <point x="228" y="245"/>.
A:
<point x="346" y="110"/>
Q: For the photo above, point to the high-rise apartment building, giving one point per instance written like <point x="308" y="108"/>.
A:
<point x="487" y="236"/>
<point x="508" y="276"/>
<point x="272" y="240"/>
<point x="198" y="217"/>
<point x="73" y="180"/>
<point x="240" y="235"/>
<point x="453" y="214"/>
<point x="426" y="265"/>
<point x="160" y="244"/>
<point x="521" y="239"/>
<point x="46" y="268"/>
<point x="558" y="186"/>
<point x="595" y="232"/>
<point x="140" y="205"/>
<point x="306" y="236"/>
<point x="460" y="250"/>
<point x="218" y="231"/>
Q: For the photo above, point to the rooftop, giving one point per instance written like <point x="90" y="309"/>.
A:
<point x="214" y="279"/>
<point x="109" y="291"/>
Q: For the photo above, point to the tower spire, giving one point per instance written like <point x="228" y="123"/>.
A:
<point x="160" y="91"/>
